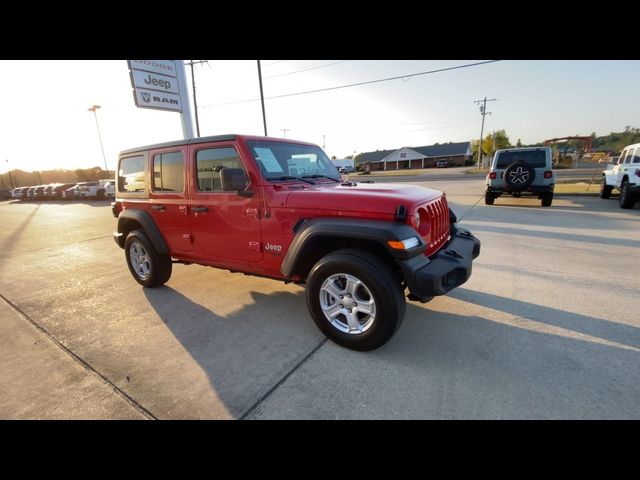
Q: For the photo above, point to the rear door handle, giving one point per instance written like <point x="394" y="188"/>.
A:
<point x="199" y="209"/>
<point x="159" y="208"/>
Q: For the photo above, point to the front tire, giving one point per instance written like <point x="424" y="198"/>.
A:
<point x="627" y="199"/>
<point x="355" y="299"/>
<point x="605" y="190"/>
<point x="148" y="267"/>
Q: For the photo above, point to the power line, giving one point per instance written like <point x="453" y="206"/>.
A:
<point x="273" y="63"/>
<point x="307" y="69"/>
<point x="354" y="84"/>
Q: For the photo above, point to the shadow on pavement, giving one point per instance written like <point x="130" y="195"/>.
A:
<point x="439" y="365"/>
<point x="14" y="237"/>
<point x="554" y="235"/>
<point x="444" y="365"/>
<point x="244" y="353"/>
<point x="624" y="334"/>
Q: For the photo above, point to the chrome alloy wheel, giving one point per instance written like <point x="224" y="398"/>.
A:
<point x="140" y="260"/>
<point x="518" y="176"/>
<point x="347" y="303"/>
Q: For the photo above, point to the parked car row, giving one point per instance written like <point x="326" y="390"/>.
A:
<point x="66" y="191"/>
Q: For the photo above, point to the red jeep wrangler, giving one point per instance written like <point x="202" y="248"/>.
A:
<point x="279" y="208"/>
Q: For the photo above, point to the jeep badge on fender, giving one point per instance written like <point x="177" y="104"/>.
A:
<point x="279" y="208"/>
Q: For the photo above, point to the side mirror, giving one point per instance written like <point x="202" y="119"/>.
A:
<point x="233" y="179"/>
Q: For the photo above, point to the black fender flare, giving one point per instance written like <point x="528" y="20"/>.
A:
<point x="148" y="225"/>
<point x="378" y="231"/>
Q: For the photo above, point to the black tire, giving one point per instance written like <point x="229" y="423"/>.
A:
<point x="519" y="175"/>
<point x="547" y="198"/>
<point x="627" y="199"/>
<point x="158" y="267"/>
<point x="489" y="198"/>
<point x="100" y="195"/>
<point x="605" y="190"/>
<point x="378" y="279"/>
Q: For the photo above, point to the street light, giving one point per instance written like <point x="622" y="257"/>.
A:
<point x="93" y="109"/>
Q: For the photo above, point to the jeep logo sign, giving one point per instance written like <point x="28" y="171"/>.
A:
<point x="154" y="81"/>
<point x="155" y="84"/>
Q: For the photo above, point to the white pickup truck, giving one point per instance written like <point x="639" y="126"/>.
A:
<point x="624" y="176"/>
<point x="93" y="190"/>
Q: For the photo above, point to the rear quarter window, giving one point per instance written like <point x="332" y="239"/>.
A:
<point x="131" y="177"/>
<point x="535" y="158"/>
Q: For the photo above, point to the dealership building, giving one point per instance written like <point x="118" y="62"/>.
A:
<point x="456" y="155"/>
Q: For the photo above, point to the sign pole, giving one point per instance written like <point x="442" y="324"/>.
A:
<point x="185" y="116"/>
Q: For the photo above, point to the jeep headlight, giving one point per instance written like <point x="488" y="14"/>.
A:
<point x="416" y="219"/>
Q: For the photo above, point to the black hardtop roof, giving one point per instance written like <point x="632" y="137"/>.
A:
<point x="216" y="138"/>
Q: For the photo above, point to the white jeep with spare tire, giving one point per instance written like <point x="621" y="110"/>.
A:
<point x="521" y="171"/>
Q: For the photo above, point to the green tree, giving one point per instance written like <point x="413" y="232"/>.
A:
<point x="491" y="143"/>
<point x="519" y="143"/>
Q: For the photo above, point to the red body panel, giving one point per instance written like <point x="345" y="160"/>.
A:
<point x="253" y="233"/>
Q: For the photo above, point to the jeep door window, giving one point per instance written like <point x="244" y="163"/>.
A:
<point x="168" y="172"/>
<point x="209" y="162"/>
<point x="131" y="176"/>
<point x="282" y="160"/>
<point x="630" y="155"/>
<point x="623" y="157"/>
<point x="535" y="158"/>
<point x="636" y="156"/>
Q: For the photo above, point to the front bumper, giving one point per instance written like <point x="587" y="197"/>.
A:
<point x="449" y="268"/>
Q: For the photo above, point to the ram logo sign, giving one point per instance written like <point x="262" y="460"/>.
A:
<point x="155" y="84"/>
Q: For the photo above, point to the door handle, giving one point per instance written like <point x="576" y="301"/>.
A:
<point x="199" y="209"/>
<point x="159" y="208"/>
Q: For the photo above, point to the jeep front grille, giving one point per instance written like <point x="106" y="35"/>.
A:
<point x="438" y="233"/>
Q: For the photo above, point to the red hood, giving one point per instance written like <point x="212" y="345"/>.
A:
<point x="363" y="197"/>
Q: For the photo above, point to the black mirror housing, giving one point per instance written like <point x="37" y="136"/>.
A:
<point x="233" y="179"/>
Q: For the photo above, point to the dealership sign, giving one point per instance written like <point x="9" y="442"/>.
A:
<point x="155" y="84"/>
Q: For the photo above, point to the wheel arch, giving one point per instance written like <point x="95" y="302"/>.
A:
<point x="318" y="237"/>
<point x="130" y="219"/>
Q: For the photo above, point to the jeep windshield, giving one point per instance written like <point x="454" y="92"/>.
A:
<point x="535" y="158"/>
<point x="286" y="161"/>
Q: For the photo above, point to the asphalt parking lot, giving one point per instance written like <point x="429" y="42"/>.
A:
<point x="546" y="328"/>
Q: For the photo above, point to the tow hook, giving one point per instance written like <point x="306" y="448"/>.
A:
<point x="453" y="253"/>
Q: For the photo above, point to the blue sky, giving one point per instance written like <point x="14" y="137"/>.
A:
<point x="44" y="122"/>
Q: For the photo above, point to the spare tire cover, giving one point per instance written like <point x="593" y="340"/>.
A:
<point x="519" y="175"/>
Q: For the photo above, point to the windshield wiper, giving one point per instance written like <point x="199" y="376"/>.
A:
<point x="320" y="176"/>
<point x="289" y="177"/>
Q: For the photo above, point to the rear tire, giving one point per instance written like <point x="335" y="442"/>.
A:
<point x="100" y="195"/>
<point x="489" y="198"/>
<point x="148" y="267"/>
<point x="341" y="280"/>
<point x="547" y="198"/>
<point x="627" y="199"/>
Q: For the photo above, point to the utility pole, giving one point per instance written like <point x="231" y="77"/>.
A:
<point x="284" y="132"/>
<point x="104" y="157"/>
<point x="9" y="172"/>
<point x="193" y="86"/>
<point x="264" y="116"/>
<point x="483" y="112"/>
